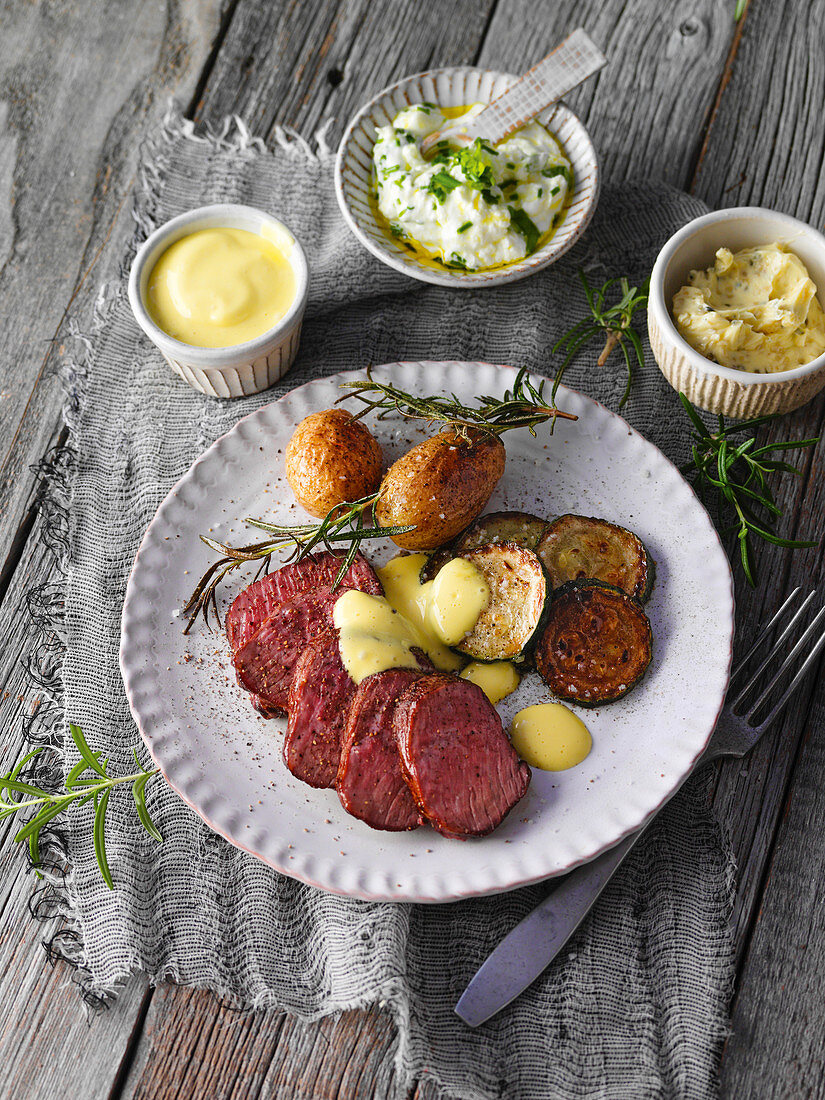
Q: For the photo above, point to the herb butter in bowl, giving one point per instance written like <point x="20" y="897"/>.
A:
<point x="735" y="312"/>
<point x="467" y="217"/>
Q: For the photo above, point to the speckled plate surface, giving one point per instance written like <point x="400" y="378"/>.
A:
<point x="455" y="88"/>
<point x="198" y="724"/>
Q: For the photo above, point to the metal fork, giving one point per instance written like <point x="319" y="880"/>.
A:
<point x="536" y="940"/>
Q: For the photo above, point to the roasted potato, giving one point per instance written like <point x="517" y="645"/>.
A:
<point x="440" y="486"/>
<point x="330" y="459"/>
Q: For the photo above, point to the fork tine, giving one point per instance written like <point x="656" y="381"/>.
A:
<point x="797" y="649"/>
<point x="765" y="631"/>
<point x="775" y="647"/>
<point x="797" y="680"/>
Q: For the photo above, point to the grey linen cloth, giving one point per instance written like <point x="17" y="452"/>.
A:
<point x="637" y="1004"/>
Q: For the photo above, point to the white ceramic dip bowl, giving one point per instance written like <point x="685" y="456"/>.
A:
<point x="708" y="385"/>
<point x="456" y="88"/>
<point x="240" y="369"/>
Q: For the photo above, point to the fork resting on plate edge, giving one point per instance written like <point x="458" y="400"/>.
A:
<point x="536" y="940"/>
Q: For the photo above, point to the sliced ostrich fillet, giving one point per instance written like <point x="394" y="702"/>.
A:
<point x="370" y="783"/>
<point x="266" y="663"/>
<point x="462" y="770"/>
<point x="319" y="700"/>
<point x="252" y="607"/>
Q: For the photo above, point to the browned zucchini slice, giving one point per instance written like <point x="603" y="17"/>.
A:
<point x="522" y="528"/>
<point x="519" y="592"/>
<point x="579" y="547"/>
<point x="596" y="645"/>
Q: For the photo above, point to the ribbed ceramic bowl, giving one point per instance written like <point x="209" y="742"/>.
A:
<point x="454" y="88"/>
<point x="719" y="389"/>
<point x="241" y="369"/>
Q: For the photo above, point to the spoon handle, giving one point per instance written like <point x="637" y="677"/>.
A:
<point x="571" y="63"/>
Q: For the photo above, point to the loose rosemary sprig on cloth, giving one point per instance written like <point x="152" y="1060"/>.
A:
<point x="614" y="323"/>
<point x="88" y="781"/>
<point x="738" y="473"/>
<point x="525" y="406"/>
<point x="343" y="524"/>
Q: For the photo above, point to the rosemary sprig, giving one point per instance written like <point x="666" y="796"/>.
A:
<point x="614" y="323"/>
<point x="525" y="406"/>
<point x="342" y="524"/>
<point x="88" y="781"/>
<point x="737" y="473"/>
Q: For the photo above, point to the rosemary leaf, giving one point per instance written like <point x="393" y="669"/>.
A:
<point x="611" y="323"/>
<point x="88" y="781"/>
<point x="737" y="474"/>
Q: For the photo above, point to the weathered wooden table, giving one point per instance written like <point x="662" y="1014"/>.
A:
<point x="730" y="111"/>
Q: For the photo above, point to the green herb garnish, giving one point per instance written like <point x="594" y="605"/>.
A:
<point x="489" y="197"/>
<point x="525" y="406"/>
<point x="611" y="322"/>
<point x="441" y="184"/>
<point x="737" y="474"/>
<point x="88" y="781"/>
<point x="463" y="228"/>
<point x="526" y="226"/>
<point x="473" y="164"/>
<point x="558" y="170"/>
<point x="342" y="524"/>
<point x="456" y="261"/>
<point x="396" y="230"/>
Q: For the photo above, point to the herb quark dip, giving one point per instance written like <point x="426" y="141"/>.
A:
<point x="469" y="208"/>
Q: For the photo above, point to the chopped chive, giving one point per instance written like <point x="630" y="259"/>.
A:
<point x="525" y="225"/>
<point x="464" y="228"/>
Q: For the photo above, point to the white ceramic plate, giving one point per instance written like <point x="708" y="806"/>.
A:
<point x="225" y="761"/>
<point x="456" y="88"/>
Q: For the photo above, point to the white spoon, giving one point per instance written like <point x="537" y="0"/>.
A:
<point x="571" y="63"/>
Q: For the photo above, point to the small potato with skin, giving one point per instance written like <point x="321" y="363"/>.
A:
<point x="440" y="486"/>
<point x="330" y="459"/>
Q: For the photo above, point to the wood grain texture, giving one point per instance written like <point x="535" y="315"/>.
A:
<point x="645" y="111"/>
<point x="77" y="91"/>
<point x="47" y="1047"/>
<point x="776" y="1036"/>
<point x="298" y="64"/>
<point x="767" y="147"/>
<point x="221" y="1052"/>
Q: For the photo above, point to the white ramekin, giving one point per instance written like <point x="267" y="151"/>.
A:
<point x="241" y="369"/>
<point x="718" y="389"/>
<point x="454" y="88"/>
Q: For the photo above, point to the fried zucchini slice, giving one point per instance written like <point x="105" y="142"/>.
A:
<point x="581" y="547"/>
<point x="519" y="592"/>
<point x="596" y="645"/>
<point x="522" y="528"/>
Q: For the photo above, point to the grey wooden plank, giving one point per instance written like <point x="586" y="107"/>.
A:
<point x="776" y="1044"/>
<point x="47" y="1047"/>
<point x="767" y="149"/>
<point x="644" y="111"/>
<point x="766" y="144"/>
<point x="221" y="1052"/>
<point x="77" y="91"/>
<point x="299" y="64"/>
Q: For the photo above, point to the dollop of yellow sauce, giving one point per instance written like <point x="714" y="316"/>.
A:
<point x="550" y="736"/>
<point x="496" y="679"/>
<point x="755" y="310"/>
<point x="219" y="287"/>
<point x="381" y="632"/>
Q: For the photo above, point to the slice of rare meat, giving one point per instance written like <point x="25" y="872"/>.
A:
<point x="370" y="783"/>
<point x="252" y="607"/>
<point x="463" y="772"/>
<point x="266" y="662"/>
<point x="319" y="699"/>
